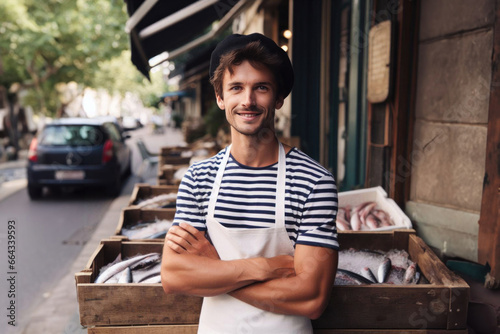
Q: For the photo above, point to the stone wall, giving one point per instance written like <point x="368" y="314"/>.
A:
<point x="452" y="98"/>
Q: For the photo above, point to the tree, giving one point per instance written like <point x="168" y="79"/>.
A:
<point x="47" y="42"/>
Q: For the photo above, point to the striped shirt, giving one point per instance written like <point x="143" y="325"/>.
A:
<point x="247" y="197"/>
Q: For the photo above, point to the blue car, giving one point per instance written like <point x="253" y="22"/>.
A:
<point x="78" y="152"/>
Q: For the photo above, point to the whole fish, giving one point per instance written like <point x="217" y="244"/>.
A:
<point x="383" y="270"/>
<point x="114" y="269"/>
<point x="410" y="274"/>
<point x="353" y="277"/>
<point x="355" y="221"/>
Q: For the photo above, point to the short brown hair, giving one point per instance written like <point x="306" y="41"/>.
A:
<point x="257" y="55"/>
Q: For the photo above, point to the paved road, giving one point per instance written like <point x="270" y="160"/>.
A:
<point x="51" y="233"/>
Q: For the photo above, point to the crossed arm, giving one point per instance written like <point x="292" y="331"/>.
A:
<point x="298" y="285"/>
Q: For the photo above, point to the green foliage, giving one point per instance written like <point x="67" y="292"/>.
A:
<point x="43" y="43"/>
<point x="214" y="120"/>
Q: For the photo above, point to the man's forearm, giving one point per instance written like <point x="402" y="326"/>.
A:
<point x="202" y="276"/>
<point x="306" y="294"/>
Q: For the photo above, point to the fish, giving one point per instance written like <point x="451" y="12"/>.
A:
<point x="147" y="231"/>
<point x="371" y="222"/>
<point x="376" y="266"/>
<point x="148" y="261"/>
<point x="159" y="201"/>
<point x="355" y="221"/>
<point x="109" y="271"/>
<point x="126" y="276"/>
<point x="365" y="216"/>
<point x="410" y="274"/>
<point x="145" y="273"/>
<point x="368" y="274"/>
<point x="352" y="276"/>
<point x="342" y="224"/>
<point x="383" y="270"/>
<point x="153" y="279"/>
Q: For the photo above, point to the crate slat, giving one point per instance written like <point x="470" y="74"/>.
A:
<point x="161" y="329"/>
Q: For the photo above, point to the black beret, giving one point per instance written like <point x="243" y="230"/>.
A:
<point x="237" y="41"/>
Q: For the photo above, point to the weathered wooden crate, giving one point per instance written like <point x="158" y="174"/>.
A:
<point x="143" y="191"/>
<point x="173" y="155"/>
<point x="166" y="174"/>
<point x="131" y="216"/>
<point x="131" y="303"/>
<point x="155" y="329"/>
<point x="434" y="308"/>
<point x="378" y="308"/>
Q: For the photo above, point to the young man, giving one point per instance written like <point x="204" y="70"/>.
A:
<point x="268" y="209"/>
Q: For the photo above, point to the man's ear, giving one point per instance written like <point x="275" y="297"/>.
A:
<point x="279" y="102"/>
<point x="220" y="102"/>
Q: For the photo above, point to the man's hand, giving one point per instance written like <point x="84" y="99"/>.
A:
<point x="186" y="239"/>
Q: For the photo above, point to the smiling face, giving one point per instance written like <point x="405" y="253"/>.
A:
<point x="249" y="99"/>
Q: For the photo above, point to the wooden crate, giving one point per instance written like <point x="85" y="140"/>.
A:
<point x="132" y="216"/>
<point x="173" y="155"/>
<point x="434" y="308"/>
<point x="143" y="191"/>
<point x="166" y="174"/>
<point x="155" y="329"/>
<point x="440" y="305"/>
<point x="192" y="329"/>
<point x="131" y="303"/>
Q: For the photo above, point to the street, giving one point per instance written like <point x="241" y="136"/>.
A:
<point x="49" y="235"/>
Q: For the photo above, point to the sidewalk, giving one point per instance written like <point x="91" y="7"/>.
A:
<point x="13" y="175"/>
<point x="58" y="312"/>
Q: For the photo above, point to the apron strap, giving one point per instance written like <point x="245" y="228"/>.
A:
<point x="280" y="188"/>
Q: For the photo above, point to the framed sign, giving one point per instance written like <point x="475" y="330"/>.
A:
<point x="379" y="62"/>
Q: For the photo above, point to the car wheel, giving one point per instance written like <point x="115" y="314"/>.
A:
<point x="34" y="192"/>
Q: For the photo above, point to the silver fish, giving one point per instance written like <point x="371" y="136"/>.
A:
<point x="368" y="274"/>
<point x="125" y="276"/>
<point x="153" y="279"/>
<point x="147" y="262"/>
<point x="383" y="270"/>
<point x="147" y="230"/>
<point x="353" y="277"/>
<point x="119" y="267"/>
<point x="145" y="273"/>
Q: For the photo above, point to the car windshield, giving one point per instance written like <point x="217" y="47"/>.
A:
<point x="73" y="135"/>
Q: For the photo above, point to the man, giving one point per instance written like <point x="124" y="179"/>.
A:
<point x="268" y="209"/>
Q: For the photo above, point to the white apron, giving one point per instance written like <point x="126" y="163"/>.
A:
<point x="226" y="314"/>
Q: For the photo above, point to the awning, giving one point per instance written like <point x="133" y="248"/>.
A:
<point x="158" y="26"/>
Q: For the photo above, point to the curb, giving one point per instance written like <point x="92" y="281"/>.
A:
<point x="10" y="187"/>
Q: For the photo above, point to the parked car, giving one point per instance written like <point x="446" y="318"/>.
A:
<point x="78" y="152"/>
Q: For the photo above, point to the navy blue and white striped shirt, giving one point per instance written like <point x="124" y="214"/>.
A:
<point x="247" y="197"/>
